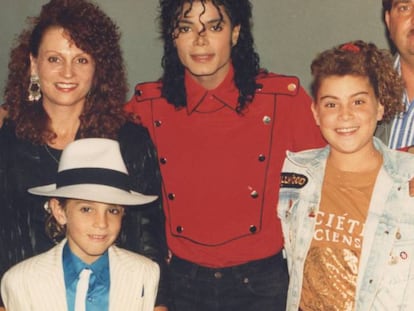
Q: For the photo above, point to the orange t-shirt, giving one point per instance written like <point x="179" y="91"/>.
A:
<point x="331" y="266"/>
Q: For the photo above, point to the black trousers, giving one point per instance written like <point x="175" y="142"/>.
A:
<point x="254" y="286"/>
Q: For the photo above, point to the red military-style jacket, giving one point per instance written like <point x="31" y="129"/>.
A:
<point x="221" y="169"/>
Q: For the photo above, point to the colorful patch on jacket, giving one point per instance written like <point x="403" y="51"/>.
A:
<point x="293" y="180"/>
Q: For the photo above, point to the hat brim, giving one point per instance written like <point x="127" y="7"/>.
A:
<point x="93" y="192"/>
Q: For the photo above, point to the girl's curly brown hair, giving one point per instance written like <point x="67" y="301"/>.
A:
<point x="359" y="58"/>
<point x="96" y="34"/>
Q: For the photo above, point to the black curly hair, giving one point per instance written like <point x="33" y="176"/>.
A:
<point x="244" y="58"/>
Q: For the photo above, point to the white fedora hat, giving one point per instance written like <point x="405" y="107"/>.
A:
<point x="93" y="169"/>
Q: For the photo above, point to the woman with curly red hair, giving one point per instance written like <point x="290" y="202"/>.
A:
<point x="67" y="81"/>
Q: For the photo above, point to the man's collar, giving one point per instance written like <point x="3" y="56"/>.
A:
<point x="397" y="63"/>
<point x="226" y="94"/>
<point x="397" y="67"/>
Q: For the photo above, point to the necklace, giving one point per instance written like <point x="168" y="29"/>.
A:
<point x="50" y="154"/>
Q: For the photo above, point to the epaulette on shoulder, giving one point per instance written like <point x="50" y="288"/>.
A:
<point x="278" y="84"/>
<point x="148" y="90"/>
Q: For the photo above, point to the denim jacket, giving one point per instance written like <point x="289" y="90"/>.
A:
<point x="386" y="268"/>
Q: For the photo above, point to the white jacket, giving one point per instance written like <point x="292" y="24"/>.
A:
<point x="37" y="284"/>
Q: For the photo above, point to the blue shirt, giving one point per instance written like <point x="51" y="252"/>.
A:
<point x="402" y="131"/>
<point x="99" y="282"/>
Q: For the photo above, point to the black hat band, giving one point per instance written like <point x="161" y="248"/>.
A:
<point x="97" y="176"/>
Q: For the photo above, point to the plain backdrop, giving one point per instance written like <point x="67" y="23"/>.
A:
<point x="288" y="33"/>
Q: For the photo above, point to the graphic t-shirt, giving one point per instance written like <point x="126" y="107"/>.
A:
<point x="331" y="266"/>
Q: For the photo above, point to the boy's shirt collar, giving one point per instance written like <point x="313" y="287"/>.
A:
<point x="73" y="265"/>
<point x="99" y="282"/>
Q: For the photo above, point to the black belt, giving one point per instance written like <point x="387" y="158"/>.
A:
<point x="273" y="262"/>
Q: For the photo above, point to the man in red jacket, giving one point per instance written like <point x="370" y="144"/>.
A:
<point x="221" y="127"/>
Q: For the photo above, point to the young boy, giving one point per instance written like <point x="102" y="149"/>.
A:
<point x="347" y="215"/>
<point x="86" y="204"/>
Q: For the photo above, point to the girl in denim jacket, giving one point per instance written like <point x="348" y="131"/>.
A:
<point x="346" y="211"/>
